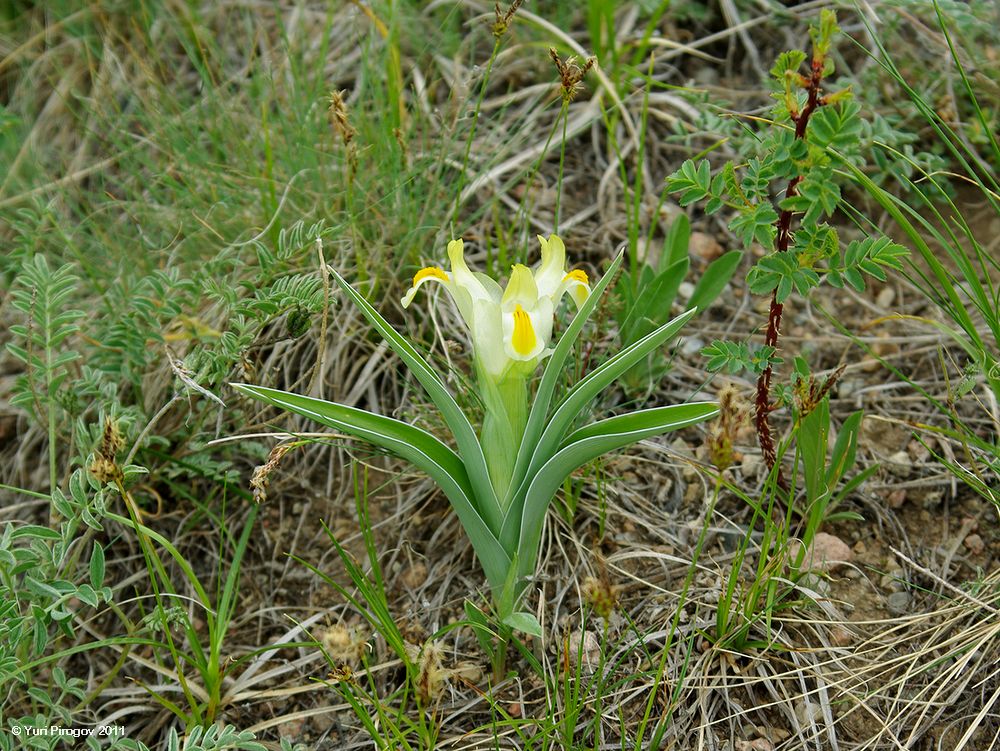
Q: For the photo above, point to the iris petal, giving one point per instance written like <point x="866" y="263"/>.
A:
<point x="427" y="274"/>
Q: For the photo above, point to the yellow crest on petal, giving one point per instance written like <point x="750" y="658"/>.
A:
<point x="430" y="271"/>
<point x="577" y="275"/>
<point x="524" y="339"/>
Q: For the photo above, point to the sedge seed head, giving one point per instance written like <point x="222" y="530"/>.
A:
<point x="733" y="414"/>
<point x="261" y="475"/>
<point x="571" y="74"/>
<point x="339" y="118"/>
<point x="601" y="595"/>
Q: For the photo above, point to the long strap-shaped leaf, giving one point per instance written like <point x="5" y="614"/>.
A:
<point x="579" y="448"/>
<point x="550" y="378"/>
<point x="418" y="447"/>
<point x="469" y="448"/>
<point x="584" y="392"/>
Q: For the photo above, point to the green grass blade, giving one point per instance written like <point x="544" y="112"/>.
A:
<point x="652" y="301"/>
<point x="468" y="443"/>
<point x="418" y="447"/>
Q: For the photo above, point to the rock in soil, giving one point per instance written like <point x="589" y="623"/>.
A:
<point x="827" y="553"/>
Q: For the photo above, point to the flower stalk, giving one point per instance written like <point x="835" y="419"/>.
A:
<point x="505" y="414"/>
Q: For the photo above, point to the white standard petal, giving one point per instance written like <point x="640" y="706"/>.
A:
<point x="550" y="272"/>
<point x="467" y="287"/>
<point x="488" y="338"/>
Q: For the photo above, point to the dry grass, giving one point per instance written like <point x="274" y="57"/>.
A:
<point x="133" y="141"/>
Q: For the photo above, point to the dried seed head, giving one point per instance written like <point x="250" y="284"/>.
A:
<point x="111" y="441"/>
<point x="601" y="595"/>
<point x="344" y="644"/>
<point x="809" y="393"/>
<point x="342" y="674"/>
<point x="338" y="116"/>
<point x="431" y="675"/>
<point x="503" y="19"/>
<point x="104" y="470"/>
<point x="570" y="74"/>
<point x="733" y="413"/>
<point x="261" y="475"/>
<point x="104" y="467"/>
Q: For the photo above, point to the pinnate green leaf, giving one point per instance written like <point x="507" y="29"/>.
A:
<point x="756" y="223"/>
<point x="692" y="181"/>
<point x="836" y="127"/>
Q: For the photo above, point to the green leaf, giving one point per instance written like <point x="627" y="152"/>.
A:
<point x="525" y="623"/>
<point x="35" y="531"/>
<point x="844" y="449"/>
<point x="815" y="242"/>
<point x="812" y="443"/>
<point x="580" y="447"/>
<point x="787" y="62"/>
<point x="97" y="566"/>
<point x="729" y="356"/>
<point x="416" y="446"/>
<point x="593" y="383"/>
<point x="86" y="594"/>
<point x="822" y="35"/>
<point x="757" y="178"/>
<point x="756" y="223"/>
<point x="675" y="244"/>
<point x="550" y="378"/>
<point x="781" y="273"/>
<point x="468" y="443"/>
<point x="715" y="279"/>
<point x="653" y="303"/>
<point x="480" y="627"/>
<point x="817" y="196"/>
<point x="871" y="256"/>
<point x="836" y="127"/>
<point x="692" y="181"/>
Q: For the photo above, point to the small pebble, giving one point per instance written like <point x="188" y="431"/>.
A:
<point x="827" y="553"/>
<point x="704" y="246"/>
<point x="583" y="646"/>
<point x="886" y="297"/>
<point x="898" y="603"/>
<point x="692" y="345"/>
<point x="899" y="464"/>
<point x="896" y="498"/>
<point x="847" y="387"/>
<point x="841" y="637"/>
<point x="975" y="544"/>
<point x="415" y="575"/>
<point x="808" y="712"/>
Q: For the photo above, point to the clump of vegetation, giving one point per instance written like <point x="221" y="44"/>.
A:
<point x="811" y="131"/>
<point x="186" y="569"/>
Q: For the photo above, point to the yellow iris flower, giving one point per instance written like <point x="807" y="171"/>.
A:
<point x="510" y="327"/>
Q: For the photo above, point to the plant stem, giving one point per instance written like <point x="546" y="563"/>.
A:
<point x="762" y="404"/>
<point x="562" y="163"/>
<point x="505" y="403"/>
<point x="460" y="183"/>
